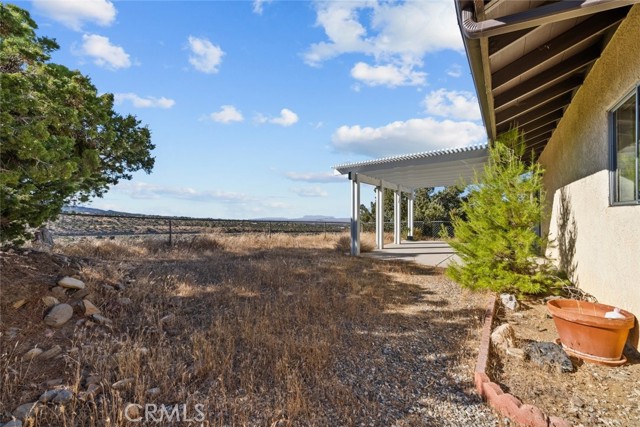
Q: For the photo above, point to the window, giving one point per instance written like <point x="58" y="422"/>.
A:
<point x="625" y="185"/>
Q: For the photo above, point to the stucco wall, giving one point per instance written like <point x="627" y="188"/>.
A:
<point x="600" y="243"/>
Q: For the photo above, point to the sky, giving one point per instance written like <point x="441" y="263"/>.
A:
<point x="250" y="103"/>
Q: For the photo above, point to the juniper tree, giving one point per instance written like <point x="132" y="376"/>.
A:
<point x="59" y="140"/>
<point x="497" y="242"/>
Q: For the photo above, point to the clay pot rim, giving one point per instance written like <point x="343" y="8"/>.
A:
<point x="556" y="307"/>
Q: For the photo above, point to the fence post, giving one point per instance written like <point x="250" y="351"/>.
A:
<point x="170" y="233"/>
<point x="324" y="227"/>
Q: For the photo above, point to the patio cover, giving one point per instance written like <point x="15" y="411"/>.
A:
<point x="405" y="174"/>
<point x="409" y="172"/>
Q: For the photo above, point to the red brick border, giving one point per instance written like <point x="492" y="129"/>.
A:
<point x="505" y="404"/>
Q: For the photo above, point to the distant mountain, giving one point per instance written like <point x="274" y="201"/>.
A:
<point x="307" y="218"/>
<point x="93" y="211"/>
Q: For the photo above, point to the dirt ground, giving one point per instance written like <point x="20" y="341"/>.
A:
<point x="285" y="331"/>
<point x="592" y="395"/>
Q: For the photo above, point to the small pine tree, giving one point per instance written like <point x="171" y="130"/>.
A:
<point x="497" y="242"/>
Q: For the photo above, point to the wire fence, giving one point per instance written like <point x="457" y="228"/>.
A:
<point x="76" y="225"/>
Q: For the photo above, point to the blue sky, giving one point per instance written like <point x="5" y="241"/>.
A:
<point x="250" y="103"/>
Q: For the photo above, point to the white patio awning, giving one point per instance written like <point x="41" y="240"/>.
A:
<point x="427" y="169"/>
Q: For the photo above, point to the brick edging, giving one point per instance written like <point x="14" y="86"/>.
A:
<point x="505" y="404"/>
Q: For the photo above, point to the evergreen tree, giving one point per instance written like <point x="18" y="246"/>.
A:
<point x="497" y="242"/>
<point x="60" y="140"/>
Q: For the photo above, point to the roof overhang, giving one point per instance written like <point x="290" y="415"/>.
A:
<point x="428" y="169"/>
<point x="528" y="58"/>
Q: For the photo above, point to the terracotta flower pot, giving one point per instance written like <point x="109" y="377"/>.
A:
<point x="587" y="334"/>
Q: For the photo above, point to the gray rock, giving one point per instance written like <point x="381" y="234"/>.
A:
<point x="503" y="337"/>
<point x="48" y="396"/>
<point x="509" y="301"/>
<point x="64" y="396"/>
<point x="71" y="283"/>
<point x="51" y="353"/>
<point x="26" y="410"/>
<point x="124" y="301"/>
<point x="549" y="354"/>
<point x="13" y="423"/>
<point x="80" y="294"/>
<point x="58" y="315"/>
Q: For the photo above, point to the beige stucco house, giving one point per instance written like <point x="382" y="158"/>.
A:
<point x="568" y="75"/>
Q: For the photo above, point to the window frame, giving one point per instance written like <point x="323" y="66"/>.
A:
<point x="613" y="153"/>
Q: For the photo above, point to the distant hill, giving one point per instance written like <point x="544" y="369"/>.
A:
<point x="308" y="218"/>
<point x="93" y="211"/>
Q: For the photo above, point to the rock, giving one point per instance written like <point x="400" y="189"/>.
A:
<point x="89" y="308"/>
<point x="515" y="352"/>
<point x="59" y="292"/>
<point x="122" y="384"/>
<point x="48" y="396"/>
<point x="503" y="337"/>
<point x="51" y="353"/>
<point x="509" y="301"/>
<point x="13" y="423"/>
<point x="58" y="315"/>
<point x="576" y="404"/>
<point x="50" y="301"/>
<point x="80" y="294"/>
<point x="124" y="301"/>
<point x="26" y="410"/>
<point x="108" y="288"/>
<point x="153" y="391"/>
<point x="64" y="396"/>
<point x="71" y="283"/>
<point x="549" y="354"/>
<point x="33" y="353"/>
<point x="100" y="319"/>
<point x="19" y="303"/>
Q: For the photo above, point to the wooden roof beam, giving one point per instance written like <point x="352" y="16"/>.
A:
<point x="538" y="99"/>
<point x="546" y="78"/>
<point x="581" y="33"/>
<point x="541" y="111"/>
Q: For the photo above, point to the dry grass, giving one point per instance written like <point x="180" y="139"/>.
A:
<point x="261" y="331"/>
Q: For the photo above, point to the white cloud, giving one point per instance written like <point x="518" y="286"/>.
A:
<point x="387" y="75"/>
<point x="401" y="137"/>
<point x="323" y="177"/>
<point x="143" y="190"/>
<point x="454" y="71"/>
<point x="313" y="191"/>
<point x="205" y="56"/>
<point x="453" y="104"/>
<point x="258" y="6"/>
<point x="74" y="13"/>
<point x="400" y="31"/>
<point x="104" y="53"/>
<point x="140" y="102"/>
<point x="286" y="118"/>
<point x="227" y="114"/>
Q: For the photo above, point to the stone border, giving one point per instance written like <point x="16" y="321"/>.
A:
<point x="505" y="404"/>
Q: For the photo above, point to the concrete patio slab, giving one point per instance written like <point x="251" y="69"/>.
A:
<point x="432" y="252"/>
